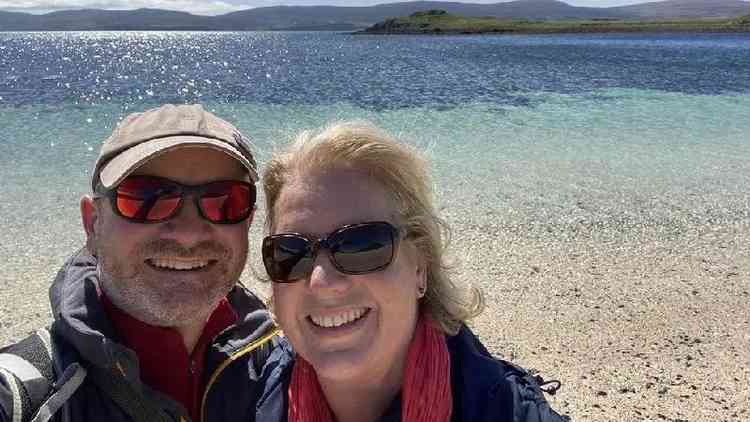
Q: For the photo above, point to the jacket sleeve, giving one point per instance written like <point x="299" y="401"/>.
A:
<point x="530" y="405"/>
<point x="6" y="399"/>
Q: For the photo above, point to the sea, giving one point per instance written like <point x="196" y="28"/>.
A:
<point x="549" y="135"/>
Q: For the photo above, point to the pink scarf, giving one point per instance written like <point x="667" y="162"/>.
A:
<point x="426" y="393"/>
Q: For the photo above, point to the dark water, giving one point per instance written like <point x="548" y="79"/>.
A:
<point x="371" y="72"/>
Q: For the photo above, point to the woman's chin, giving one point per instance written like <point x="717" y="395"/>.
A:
<point x="344" y="366"/>
<point x="344" y="352"/>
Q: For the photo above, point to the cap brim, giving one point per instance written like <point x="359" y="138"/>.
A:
<point x="127" y="161"/>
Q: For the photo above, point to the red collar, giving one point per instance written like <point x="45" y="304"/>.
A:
<point x="164" y="361"/>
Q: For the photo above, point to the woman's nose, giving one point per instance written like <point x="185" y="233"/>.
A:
<point x="325" y="278"/>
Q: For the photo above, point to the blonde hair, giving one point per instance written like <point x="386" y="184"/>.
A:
<point x="403" y="173"/>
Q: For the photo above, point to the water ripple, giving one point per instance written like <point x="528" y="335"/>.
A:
<point x="372" y="72"/>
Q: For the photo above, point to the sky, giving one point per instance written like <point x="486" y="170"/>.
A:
<point x="218" y="7"/>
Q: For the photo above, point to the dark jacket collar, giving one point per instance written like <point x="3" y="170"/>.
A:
<point x="81" y="320"/>
<point x="484" y="388"/>
<point x="79" y="317"/>
<point x="478" y="380"/>
<point x="480" y="388"/>
<point x="478" y="383"/>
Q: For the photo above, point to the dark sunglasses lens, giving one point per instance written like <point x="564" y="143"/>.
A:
<point x="287" y="258"/>
<point x="147" y="199"/>
<point x="227" y="202"/>
<point x="362" y="249"/>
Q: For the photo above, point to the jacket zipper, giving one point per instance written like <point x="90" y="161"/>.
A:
<point x="249" y="348"/>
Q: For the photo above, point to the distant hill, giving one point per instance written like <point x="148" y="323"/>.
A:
<point x="686" y="9"/>
<point x="112" y="20"/>
<point x="439" y="22"/>
<point x="10" y="21"/>
<point x="293" y="17"/>
<point x="349" y="18"/>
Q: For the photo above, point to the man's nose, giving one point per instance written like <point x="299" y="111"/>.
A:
<point x="188" y="226"/>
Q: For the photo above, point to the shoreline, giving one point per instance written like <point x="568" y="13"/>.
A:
<point x="562" y="32"/>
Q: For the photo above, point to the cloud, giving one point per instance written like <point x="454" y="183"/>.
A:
<point x="198" y="7"/>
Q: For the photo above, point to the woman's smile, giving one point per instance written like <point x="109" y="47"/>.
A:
<point x="343" y="330"/>
<point x="338" y="319"/>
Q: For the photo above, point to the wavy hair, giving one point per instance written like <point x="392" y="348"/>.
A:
<point x="403" y="173"/>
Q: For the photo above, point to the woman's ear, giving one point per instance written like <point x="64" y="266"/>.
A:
<point x="89" y="214"/>
<point x="421" y="280"/>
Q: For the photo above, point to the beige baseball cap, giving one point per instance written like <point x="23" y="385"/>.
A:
<point x="143" y="136"/>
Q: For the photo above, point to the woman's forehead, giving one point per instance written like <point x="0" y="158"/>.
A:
<point x="316" y="204"/>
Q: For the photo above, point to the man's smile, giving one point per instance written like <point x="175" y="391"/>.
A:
<point x="179" y="264"/>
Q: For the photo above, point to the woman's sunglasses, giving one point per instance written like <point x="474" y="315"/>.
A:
<point x="353" y="249"/>
<point x="150" y="199"/>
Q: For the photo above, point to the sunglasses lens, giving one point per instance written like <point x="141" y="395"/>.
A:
<point x="227" y="202"/>
<point x="363" y="248"/>
<point x="356" y="249"/>
<point x="147" y="199"/>
<point x="287" y="257"/>
<point x="152" y="199"/>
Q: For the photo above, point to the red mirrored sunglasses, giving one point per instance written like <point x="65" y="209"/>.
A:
<point x="150" y="199"/>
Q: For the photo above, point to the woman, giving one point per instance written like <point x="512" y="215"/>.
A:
<point x="355" y="253"/>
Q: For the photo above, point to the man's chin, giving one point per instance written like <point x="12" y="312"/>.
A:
<point x="169" y="311"/>
<point x="179" y="318"/>
<point x="167" y="302"/>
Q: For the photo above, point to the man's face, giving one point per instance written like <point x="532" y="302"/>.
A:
<point x="175" y="272"/>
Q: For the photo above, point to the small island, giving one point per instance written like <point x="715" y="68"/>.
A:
<point x="439" y="22"/>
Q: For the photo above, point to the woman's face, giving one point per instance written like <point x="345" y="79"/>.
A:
<point x="374" y="314"/>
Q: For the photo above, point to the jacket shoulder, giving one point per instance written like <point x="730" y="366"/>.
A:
<point x="490" y="389"/>
<point x="529" y="403"/>
<point x="27" y="374"/>
<point x="6" y="397"/>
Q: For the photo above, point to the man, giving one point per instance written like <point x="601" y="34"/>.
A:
<point x="149" y="321"/>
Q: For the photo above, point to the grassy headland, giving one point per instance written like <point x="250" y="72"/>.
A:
<point x="440" y="22"/>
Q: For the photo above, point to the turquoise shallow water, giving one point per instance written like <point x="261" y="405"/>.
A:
<point x="635" y="159"/>
<point x="549" y="135"/>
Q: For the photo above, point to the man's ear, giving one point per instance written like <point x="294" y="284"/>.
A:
<point x="89" y="214"/>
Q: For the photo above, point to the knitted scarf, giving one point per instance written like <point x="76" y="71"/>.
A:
<point x="426" y="392"/>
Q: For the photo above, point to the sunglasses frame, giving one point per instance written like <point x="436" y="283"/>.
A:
<point x="195" y="191"/>
<point x="315" y="245"/>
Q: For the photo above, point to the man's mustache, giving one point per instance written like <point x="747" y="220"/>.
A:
<point x="173" y="249"/>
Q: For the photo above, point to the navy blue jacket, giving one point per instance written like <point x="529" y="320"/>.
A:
<point x="82" y="333"/>
<point x="484" y="389"/>
<point x="487" y="389"/>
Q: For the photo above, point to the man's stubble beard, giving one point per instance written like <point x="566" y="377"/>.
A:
<point x="159" y="300"/>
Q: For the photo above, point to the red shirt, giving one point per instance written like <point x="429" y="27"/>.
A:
<point x="166" y="365"/>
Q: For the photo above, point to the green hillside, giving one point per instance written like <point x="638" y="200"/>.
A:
<point x="441" y="22"/>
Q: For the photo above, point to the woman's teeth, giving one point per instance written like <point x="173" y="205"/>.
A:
<point x="176" y="264"/>
<point x="331" y="321"/>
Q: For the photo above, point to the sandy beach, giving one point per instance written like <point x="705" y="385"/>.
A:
<point x="646" y="327"/>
